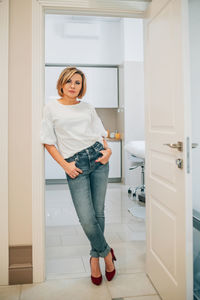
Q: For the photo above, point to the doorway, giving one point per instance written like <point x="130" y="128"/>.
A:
<point x="107" y="48"/>
<point x="136" y="10"/>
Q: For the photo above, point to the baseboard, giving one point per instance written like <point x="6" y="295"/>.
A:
<point x="20" y="265"/>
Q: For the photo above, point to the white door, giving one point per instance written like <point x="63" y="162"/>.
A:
<point x="167" y="114"/>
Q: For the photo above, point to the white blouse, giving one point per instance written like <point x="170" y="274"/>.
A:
<point x="72" y="127"/>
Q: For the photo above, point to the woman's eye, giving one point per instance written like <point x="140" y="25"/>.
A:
<point x="68" y="81"/>
<point x="77" y="82"/>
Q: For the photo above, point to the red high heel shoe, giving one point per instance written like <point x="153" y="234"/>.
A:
<point x="110" y="275"/>
<point x="96" y="280"/>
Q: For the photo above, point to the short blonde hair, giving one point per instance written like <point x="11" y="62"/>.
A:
<point x="66" y="74"/>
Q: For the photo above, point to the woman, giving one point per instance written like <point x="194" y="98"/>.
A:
<point x="84" y="155"/>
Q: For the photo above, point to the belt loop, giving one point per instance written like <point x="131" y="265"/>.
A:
<point x="94" y="147"/>
<point x="76" y="157"/>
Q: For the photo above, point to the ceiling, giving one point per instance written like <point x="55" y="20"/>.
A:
<point x="118" y="8"/>
<point x="138" y="5"/>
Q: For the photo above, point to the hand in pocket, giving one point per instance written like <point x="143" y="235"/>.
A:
<point x="72" y="170"/>
<point x="105" y="156"/>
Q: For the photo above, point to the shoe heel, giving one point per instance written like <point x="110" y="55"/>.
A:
<point x="110" y="275"/>
<point x="113" y="255"/>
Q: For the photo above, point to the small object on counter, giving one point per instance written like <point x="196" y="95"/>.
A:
<point x="117" y="135"/>
<point x="108" y="133"/>
<point x="112" y="135"/>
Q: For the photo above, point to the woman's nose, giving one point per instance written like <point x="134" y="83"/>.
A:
<point x="72" y="84"/>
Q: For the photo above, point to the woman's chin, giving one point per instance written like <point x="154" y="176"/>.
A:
<point x="72" y="95"/>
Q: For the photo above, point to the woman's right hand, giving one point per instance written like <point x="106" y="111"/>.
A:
<point x="72" y="170"/>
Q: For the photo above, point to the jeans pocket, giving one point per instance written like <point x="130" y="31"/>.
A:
<point x="72" y="158"/>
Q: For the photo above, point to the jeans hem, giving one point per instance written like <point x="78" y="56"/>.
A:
<point x="100" y="254"/>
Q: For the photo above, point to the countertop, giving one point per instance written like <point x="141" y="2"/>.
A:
<point x="113" y="139"/>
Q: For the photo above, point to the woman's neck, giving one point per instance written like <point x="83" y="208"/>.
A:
<point x="68" y="101"/>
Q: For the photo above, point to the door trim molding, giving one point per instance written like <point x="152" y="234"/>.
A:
<point x="39" y="7"/>
<point x="4" y="37"/>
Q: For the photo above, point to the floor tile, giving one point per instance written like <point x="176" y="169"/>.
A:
<point x="61" y="230"/>
<point x="53" y="240"/>
<point x="65" y="289"/>
<point x="62" y="266"/>
<point x="74" y="240"/>
<point x="127" y="285"/>
<point x="56" y="276"/>
<point x="153" y="297"/>
<point x="137" y="226"/>
<point x="112" y="237"/>
<point x="130" y="261"/>
<point x="131" y="236"/>
<point x="67" y="251"/>
<point x="11" y="292"/>
<point x="124" y="232"/>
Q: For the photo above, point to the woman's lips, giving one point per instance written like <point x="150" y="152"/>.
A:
<point x="71" y="91"/>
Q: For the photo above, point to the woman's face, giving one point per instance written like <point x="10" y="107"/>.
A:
<point x="73" y="86"/>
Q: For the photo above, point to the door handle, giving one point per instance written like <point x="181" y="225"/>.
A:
<point x="195" y="145"/>
<point x="178" y="146"/>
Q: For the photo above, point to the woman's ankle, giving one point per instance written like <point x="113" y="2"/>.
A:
<point x="108" y="257"/>
<point x="95" y="267"/>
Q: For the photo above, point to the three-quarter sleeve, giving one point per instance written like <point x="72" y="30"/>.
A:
<point x="97" y="124"/>
<point x="47" y="132"/>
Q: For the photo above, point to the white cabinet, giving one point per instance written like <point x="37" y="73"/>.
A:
<point x="102" y="85"/>
<point x="54" y="171"/>
<point x="115" y="159"/>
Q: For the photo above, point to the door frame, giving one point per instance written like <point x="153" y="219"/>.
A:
<point x="4" y="37"/>
<point x="39" y="8"/>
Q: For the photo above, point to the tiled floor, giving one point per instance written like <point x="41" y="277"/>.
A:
<point x="67" y="253"/>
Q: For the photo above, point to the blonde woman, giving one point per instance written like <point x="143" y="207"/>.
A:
<point x="84" y="155"/>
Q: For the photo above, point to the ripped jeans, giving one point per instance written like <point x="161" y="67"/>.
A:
<point x="88" y="191"/>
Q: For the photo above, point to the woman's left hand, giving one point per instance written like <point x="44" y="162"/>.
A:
<point x="105" y="157"/>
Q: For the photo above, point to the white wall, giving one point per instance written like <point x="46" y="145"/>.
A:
<point x="133" y="114"/>
<point x="99" y="41"/>
<point x="133" y="86"/>
<point x="133" y="39"/>
<point x="194" y="7"/>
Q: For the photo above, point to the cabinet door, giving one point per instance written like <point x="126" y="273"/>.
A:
<point x="102" y="85"/>
<point x="115" y="160"/>
<point x="51" y="78"/>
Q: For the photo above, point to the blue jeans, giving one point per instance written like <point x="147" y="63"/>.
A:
<point x="88" y="191"/>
